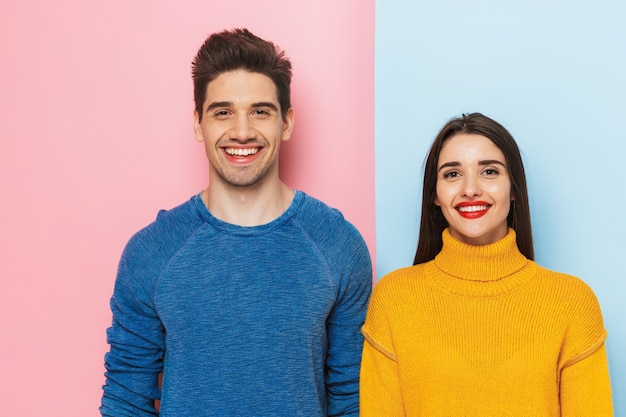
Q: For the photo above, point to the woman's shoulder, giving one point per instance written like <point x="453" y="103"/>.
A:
<point x="575" y="303"/>
<point x="573" y="294"/>
<point x="401" y="280"/>
<point x="563" y="281"/>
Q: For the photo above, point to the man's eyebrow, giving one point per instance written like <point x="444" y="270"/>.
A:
<point x="267" y="104"/>
<point x="218" y="104"/>
<point x="484" y="162"/>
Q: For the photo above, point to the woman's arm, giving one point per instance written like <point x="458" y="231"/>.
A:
<point x="379" y="385"/>
<point x="585" y="389"/>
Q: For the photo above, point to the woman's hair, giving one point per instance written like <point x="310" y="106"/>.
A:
<point x="432" y="222"/>
<point x="240" y="49"/>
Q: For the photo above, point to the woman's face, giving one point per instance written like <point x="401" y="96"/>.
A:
<point x="474" y="189"/>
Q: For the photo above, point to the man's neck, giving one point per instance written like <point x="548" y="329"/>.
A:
<point x="248" y="206"/>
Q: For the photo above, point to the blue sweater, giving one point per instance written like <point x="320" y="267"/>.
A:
<point x="241" y="321"/>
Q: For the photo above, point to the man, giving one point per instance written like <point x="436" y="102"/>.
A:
<point x="249" y="297"/>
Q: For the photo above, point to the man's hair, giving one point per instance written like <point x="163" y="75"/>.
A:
<point x="433" y="222"/>
<point x="237" y="49"/>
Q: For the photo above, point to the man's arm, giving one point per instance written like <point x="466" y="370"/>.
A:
<point x="136" y="338"/>
<point x="345" y="341"/>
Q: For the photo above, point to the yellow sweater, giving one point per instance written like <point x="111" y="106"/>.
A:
<point x="482" y="331"/>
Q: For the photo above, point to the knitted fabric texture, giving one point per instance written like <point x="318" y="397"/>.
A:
<point x="483" y="331"/>
<point x="241" y="321"/>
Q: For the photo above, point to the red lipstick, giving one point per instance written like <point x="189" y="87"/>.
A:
<point x="472" y="209"/>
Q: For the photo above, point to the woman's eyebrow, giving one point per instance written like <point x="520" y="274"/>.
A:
<point x="491" y="162"/>
<point x="483" y="162"/>
<point x="448" y="165"/>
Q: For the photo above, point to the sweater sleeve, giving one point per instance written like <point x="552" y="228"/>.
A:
<point x="136" y="340"/>
<point x="379" y="386"/>
<point x="345" y="341"/>
<point x="585" y="388"/>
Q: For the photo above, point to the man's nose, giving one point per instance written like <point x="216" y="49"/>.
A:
<point x="241" y="129"/>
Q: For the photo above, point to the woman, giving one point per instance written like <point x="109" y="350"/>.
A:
<point x="476" y="327"/>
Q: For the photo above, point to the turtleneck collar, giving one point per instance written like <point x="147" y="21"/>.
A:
<point x="481" y="271"/>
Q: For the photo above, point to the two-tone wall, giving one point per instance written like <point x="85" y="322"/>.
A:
<point x="96" y="136"/>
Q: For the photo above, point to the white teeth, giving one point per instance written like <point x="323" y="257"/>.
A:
<point x="471" y="209"/>
<point x="241" y="152"/>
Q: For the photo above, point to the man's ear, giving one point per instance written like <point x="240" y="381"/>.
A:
<point x="288" y="123"/>
<point x="197" y="128"/>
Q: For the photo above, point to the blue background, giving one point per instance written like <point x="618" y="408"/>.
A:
<point x="553" y="73"/>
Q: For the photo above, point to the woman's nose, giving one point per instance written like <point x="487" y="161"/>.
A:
<point x="471" y="187"/>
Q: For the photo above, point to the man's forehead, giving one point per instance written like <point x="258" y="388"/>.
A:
<point x="241" y="86"/>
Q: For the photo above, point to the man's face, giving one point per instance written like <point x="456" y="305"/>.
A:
<point x="242" y="129"/>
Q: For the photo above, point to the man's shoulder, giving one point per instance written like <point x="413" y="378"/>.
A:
<point x="150" y="248"/>
<point x="328" y="223"/>
<point x="316" y="209"/>
<point x="180" y="221"/>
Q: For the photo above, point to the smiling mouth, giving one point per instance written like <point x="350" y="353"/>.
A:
<point x="472" y="209"/>
<point x="241" y="151"/>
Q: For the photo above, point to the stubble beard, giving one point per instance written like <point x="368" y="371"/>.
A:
<point x="245" y="177"/>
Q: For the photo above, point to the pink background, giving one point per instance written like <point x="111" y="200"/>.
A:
<point x="96" y="136"/>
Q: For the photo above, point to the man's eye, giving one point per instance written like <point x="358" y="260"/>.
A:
<point x="221" y="114"/>
<point x="260" y="112"/>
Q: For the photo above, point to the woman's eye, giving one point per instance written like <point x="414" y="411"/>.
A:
<point x="491" y="171"/>
<point x="451" y="174"/>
